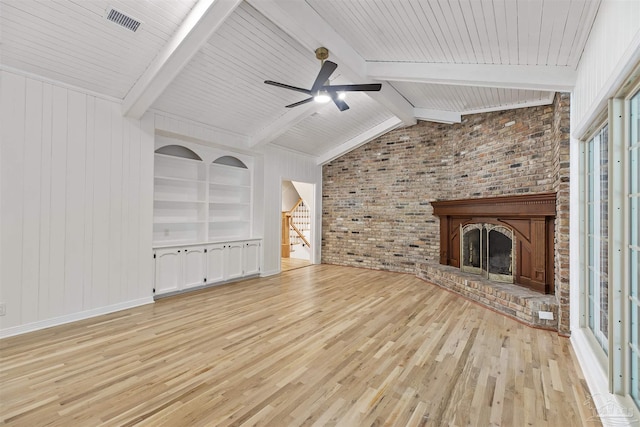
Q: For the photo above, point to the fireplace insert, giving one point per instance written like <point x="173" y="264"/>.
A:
<point x="488" y="250"/>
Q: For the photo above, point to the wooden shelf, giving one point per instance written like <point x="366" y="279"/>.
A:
<point x="186" y="180"/>
<point x="179" y="201"/>
<point x="229" y="221"/>
<point x="179" y="221"/>
<point x="230" y="203"/>
<point x="231" y="186"/>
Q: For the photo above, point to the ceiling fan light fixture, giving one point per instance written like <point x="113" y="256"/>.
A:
<point x="321" y="91"/>
<point x="322" y="97"/>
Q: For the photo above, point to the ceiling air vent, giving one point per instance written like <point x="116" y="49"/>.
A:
<point x="123" y="20"/>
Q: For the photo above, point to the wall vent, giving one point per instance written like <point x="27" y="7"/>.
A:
<point x="123" y="20"/>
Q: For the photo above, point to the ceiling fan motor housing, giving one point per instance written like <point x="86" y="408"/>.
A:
<point x="322" y="53"/>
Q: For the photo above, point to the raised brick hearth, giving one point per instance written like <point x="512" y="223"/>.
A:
<point x="512" y="300"/>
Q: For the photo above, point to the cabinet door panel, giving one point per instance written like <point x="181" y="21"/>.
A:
<point x="251" y="258"/>
<point x="215" y="263"/>
<point x="194" y="267"/>
<point x="168" y="271"/>
<point x="234" y="260"/>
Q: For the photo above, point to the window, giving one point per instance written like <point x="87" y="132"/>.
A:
<point x="633" y="195"/>
<point x="610" y="251"/>
<point x="597" y="236"/>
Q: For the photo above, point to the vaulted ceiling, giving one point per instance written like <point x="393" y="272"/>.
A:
<point x="206" y="60"/>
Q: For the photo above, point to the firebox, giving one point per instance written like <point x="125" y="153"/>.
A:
<point x="488" y="250"/>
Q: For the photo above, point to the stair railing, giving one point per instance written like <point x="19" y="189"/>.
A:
<point x="293" y="226"/>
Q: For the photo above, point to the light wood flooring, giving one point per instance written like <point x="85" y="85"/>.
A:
<point x="322" y="345"/>
<point x="287" y="264"/>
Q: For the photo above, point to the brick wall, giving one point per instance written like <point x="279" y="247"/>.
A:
<point x="561" y="187"/>
<point x="376" y="199"/>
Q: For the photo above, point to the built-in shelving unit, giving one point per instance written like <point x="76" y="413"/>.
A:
<point x="202" y="218"/>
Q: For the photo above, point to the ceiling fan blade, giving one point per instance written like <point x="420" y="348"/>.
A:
<point x="282" y="85"/>
<point x="327" y="69"/>
<point x="342" y="106"/>
<point x="295" y="104"/>
<point x="368" y="87"/>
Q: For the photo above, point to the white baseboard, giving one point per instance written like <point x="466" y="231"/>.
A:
<point x="269" y="273"/>
<point x="42" y="324"/>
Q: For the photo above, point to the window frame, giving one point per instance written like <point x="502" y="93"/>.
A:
<point x="591" y="153"/>
<point x="626" y="126"/>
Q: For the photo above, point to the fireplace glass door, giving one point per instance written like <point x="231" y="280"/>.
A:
<point x="488" y="250"/>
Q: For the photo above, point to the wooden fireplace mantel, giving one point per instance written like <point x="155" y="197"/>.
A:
<point x="543" y="204"/>
<point x="531" y="217"/>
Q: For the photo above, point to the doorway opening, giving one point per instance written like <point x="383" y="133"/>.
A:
<point x="296" y="225"/>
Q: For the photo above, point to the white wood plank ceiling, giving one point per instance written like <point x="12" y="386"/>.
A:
<point x="523" y="32"/>
<point x="206" y="60"/>
<point x="72" y="42"/>
<point x="227" y="75"/>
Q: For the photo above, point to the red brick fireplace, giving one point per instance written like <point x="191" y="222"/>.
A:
<point x="377" y="211"/>
<point x="529" y="220"/>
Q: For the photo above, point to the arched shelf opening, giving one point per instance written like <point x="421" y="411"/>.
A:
<point x="230" y="161"/>
<point x="178" y="151"/>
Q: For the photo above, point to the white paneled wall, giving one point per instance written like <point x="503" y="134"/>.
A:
<point x="281" y="165"/>
<point x="76" y="205"/>
<point x="613" y="47"/>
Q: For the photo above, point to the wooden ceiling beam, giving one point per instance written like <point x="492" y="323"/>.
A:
<point x="283" y="124"/>
<point x="530" y="77"/>
<point x="203" y="20"/>
<point x="438" y="116"/>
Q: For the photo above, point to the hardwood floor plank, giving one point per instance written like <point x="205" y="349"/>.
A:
<point x="315" y="346"/>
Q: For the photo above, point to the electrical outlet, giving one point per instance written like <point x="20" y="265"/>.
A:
<point x="3" y="308"/>
<point x="545" y="315"/>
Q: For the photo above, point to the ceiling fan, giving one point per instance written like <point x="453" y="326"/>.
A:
<point x="322" y="91"/>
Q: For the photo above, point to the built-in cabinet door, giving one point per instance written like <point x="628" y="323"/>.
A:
<point x="251" y="258"/>
<point x="168" y="270"/>
<point x="194" y="266"/>
<point x="234" y="260"/>
<point x="215" y="263"/>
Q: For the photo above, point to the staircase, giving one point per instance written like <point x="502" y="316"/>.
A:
<point x="300" y="225"/>
<point x="296" y="226"/>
